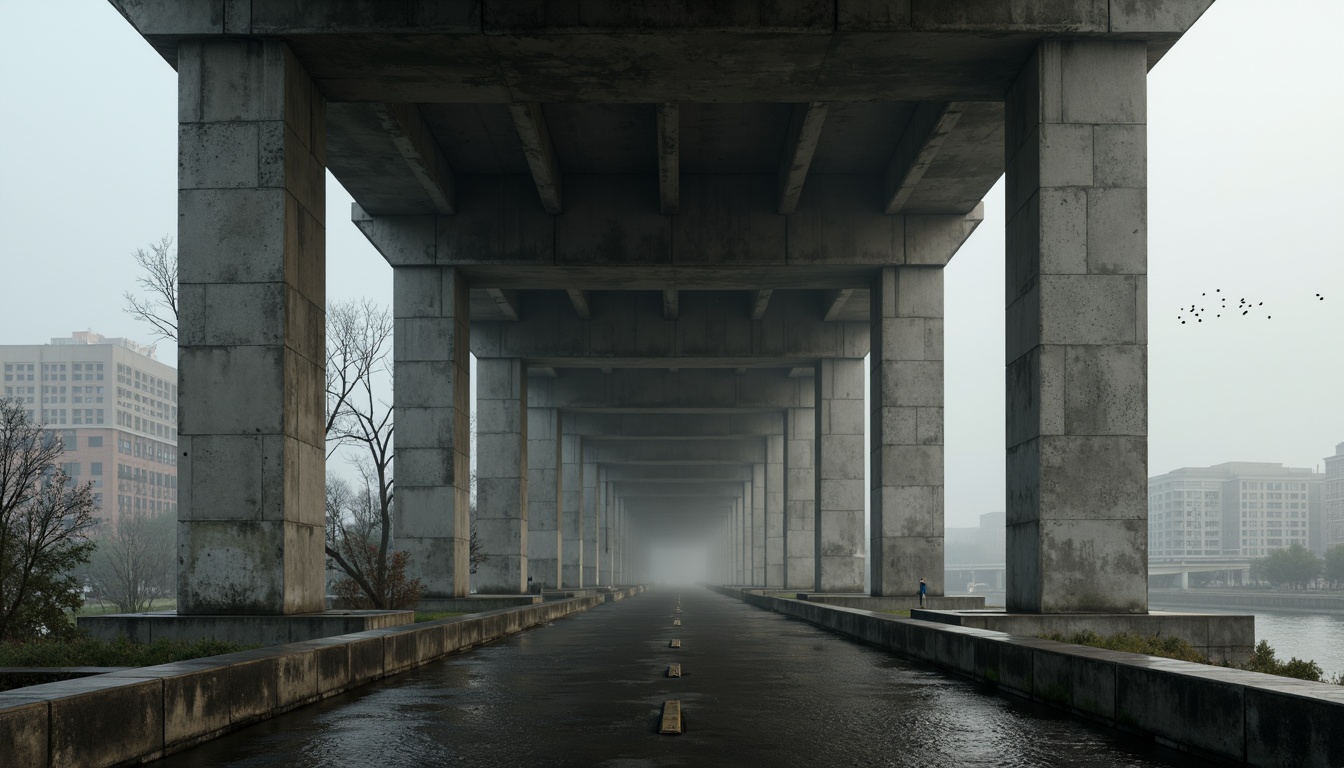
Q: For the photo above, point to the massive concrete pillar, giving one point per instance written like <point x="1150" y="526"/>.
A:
<point x="1077" y="329"/>
<point x="604" y="533"/>
<point x="758" y="524"/>
<point x="774" y="511"/>
<point x="544" y="491"/>
<point x="588" y="505"/>
<point x="501" y="475"/>
<point x="906" y="367"/>
<point x="430" y="399"/>
<point x="743" y="575"/>
<point x="839" y="476"/>
<point x="800" y="494"/>
<point x="571" y="512"/>
<point x="252" y="250"/>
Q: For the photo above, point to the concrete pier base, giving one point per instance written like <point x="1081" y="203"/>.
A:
<point x="246" y="630"/>
<point x="1228" y="639"/>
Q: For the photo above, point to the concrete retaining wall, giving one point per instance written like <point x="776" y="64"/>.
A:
<point x="142" y="714"/>
<point x="1214" y="712"/>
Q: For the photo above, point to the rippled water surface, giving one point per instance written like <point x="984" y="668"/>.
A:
<point x="758" y="689"/>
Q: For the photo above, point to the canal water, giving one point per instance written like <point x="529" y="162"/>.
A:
<point x="757" y="689"/>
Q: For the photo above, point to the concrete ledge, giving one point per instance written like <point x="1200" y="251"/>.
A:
<point x="245" y="630"/>
<point x="1214" y="712"/>
<point x="1225" y="639"/>
<point x="137" y="715"/>
<point x="893" y="603"/>
<point x="476" y="603"/>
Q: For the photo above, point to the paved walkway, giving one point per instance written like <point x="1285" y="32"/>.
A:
<point x="757" y="689"/>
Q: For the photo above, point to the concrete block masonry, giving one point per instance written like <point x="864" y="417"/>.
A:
<point x="138" y="715"/>
<point x="1213" y="712"/>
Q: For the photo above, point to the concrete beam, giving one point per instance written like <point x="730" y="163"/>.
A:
<point x="532" y="132"/>
<point x="760" y="302"/>
<point x="507" y="300"/>
<point x="671" y="304"/>
<point x="426" y="161"/>
<point x="801" y="144"/>
<point x="727" y="237"/>
<point x="669" y="158"/>
<point x="657" y="391"/>
<point x="833" y="303"/>
<point x="679" y="474"/>
<point x="579" y="300"/>
<point x="615" y="426"/>
<point x="654" y="451"/>
<point x="637" y="489"/>
<point x="628" y="329"/>
<point x="915" y="151"/>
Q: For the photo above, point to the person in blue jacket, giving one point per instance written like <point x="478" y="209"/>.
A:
<point x="923" y="590"/>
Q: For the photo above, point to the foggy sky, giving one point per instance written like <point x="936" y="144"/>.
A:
<point x="1245" y="170"/>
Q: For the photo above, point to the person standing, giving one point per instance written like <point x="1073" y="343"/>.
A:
<point x="923" y="590"/>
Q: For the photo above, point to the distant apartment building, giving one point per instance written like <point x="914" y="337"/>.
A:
<point x="1333" y="498"/>
<point x="1240" y="508"/>
<point x="115" y="407"/>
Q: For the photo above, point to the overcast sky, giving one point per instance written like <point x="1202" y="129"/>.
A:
<point x="1246" y="161"/>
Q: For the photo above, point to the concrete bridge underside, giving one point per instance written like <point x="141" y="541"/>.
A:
<point x="670" y="235"/>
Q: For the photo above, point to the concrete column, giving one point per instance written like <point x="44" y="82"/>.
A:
<point x="906" y="368"/>
<point x="588" y="503"/>
<point x="743" y="541"/>
<point x="543" y="493"/>
<point x="571" y="516"/>
<point x="774" y="511"/>
<point x="604" y="533"/>
<point x="758" y="524"/>
<point x="252" y="250"/>
<point x="748" y="536"/>
<point x="839" y="476"/>
<point x="430" y="399"/>
<point x="1077" y="384"/>
<point x="800" y="494"/>
<point x="501" y="475"/>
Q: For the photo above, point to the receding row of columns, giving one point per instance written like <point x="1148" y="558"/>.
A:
<point x="252" y="277"/>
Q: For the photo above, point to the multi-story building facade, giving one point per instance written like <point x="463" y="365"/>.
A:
<point x="115" y="407"/>
<point x="1333" y="498"/>
<point x="1239" y="508"/>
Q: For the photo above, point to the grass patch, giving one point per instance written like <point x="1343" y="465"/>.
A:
<point x="902" y="612"/>
<point x="87" y="652"/>
<point x="436" y="615"/>
<point x="1262" y="660"/>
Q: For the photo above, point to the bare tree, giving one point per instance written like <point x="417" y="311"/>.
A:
<point x="43" y="525"/>
<point x="134" y="563"/>
<point x="158" y="279"/>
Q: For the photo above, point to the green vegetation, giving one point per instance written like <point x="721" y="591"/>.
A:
<point x="1291" y="567"/>
<point x="87" y="652"/>
<point x="1263" y="659"/>
<point x="1334" y="565"/>
<point x="436" y="615"/>
<point x="902" y="612"/>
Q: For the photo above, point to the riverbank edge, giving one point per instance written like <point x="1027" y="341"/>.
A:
<point x="1226" y="715"/>
<point x="1266" y="600"/>
<point x="142" y="714"/>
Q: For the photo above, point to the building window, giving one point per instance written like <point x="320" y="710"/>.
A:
<point x="95" y="441"/>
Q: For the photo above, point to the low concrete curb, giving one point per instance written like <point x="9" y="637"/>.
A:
<point x="1214" y="712"/>
<point x="142" y="714"/>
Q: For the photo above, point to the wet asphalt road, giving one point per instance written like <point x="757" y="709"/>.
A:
<point x="757" y="689"/>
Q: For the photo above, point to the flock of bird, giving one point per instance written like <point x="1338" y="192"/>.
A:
<point x="1240" y="309"/>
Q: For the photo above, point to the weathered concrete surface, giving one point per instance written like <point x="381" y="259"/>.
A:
<point x="1077" y="378"/>
<point x="893" y="603"/>
<point x="142" y="714"/>
<point x="544" y="494"/>
<point x="774" y="510"/>
<point x="479" y="603"/>
<point x="252" y="211"/>
<point x="800" y="499"/>
<point x="501" y="476"/>
<point x="1211" y="712"/>
<point x="430" y="399"/>
<point x="839" y="476"/>
<point x="906" y="412"/>
<point x="245" y="630"/>
<point x="571" y="517"/>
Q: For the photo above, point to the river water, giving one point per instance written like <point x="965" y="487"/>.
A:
<point x="1315" y="636"/>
